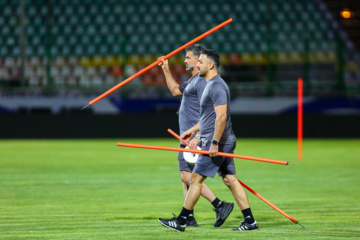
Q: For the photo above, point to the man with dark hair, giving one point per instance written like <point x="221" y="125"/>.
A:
<point x="216" y="135"/>
<point x="189" y="114"/>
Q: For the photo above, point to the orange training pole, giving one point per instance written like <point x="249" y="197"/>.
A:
<point x="178" y="137"/>
<point x="248" y="188"/>
<point x="203" y="152"/>
<point x="158" y="61"/>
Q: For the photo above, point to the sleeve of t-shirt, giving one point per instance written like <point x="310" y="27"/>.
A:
<point x="200" y="86"/>
<point x="182" y="86"/>
<point x="218" y="95"/>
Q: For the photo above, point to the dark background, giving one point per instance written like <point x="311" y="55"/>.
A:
<point x="156" y="125"/>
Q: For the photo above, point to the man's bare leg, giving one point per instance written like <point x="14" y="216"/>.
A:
<point x="205" y="190"/>
<point x="237" y="190"/>
<point x="240" y="196"/>
<point x="194" y="191"/>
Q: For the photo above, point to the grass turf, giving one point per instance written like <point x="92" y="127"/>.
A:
<point x="92" y="189"/>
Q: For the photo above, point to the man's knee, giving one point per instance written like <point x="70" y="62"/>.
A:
<point x="229" y="180"/>
<point x="197" y="178"/>
<point x="185" y="177"/>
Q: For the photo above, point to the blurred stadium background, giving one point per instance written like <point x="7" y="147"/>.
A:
<point x="56" y="56"/>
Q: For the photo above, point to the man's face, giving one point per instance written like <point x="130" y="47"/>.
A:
<point x="190" y="61"/>
<point x="202" y="65"/>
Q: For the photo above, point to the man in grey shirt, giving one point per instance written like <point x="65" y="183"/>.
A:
<point x="217" y="135"/>
<point x="189" y="114"/>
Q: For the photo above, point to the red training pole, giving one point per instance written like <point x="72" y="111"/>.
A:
<point x="158" y="61"/>
<point x="300" y="117"/>
<point x="269" y="203"/>
<point x="248" y="188"/>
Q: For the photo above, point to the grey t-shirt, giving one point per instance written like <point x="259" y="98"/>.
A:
<point x="215" y="93"/>
<point x="189" y="112"/>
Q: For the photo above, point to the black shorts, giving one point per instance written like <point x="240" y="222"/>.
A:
<point x="207" y="166"/>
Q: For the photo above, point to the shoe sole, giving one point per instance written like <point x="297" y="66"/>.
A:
<point x="245" y="230"/>
<point x="222" y="222"/>
<point x="169" y="226"/>
<point x="192" y="225"/>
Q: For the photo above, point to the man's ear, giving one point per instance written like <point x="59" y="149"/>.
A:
<point x="211" y="65"/>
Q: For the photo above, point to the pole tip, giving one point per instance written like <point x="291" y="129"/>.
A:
<point x="289" y="163"/>
<point x="85" y="107"/>
<point x="300" y="225"/>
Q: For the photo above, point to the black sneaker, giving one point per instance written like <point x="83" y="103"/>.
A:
<point x="172" y="223"/>
<point x="244" y="226"/>
<point x="222" y="213"/>
<point x="191" y="223"/>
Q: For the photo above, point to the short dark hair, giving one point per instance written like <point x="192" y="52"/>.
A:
<point x="196" y="49"/>
<point x="213" y="55"/>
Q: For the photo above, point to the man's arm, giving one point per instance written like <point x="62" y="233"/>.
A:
<point x="220" y="122"/>
<point x="188" y="134"/>
<point x="195" y="141"/>
<point x="170" y="81"/>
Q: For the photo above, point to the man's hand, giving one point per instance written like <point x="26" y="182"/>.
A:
<point x="193" y="143"/>
<point x="213" y="151"/>
<point x="164" y="64"/>
<point x="187" y="135"/>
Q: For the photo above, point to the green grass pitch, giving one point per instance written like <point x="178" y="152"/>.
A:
<point x="92" y="189"/>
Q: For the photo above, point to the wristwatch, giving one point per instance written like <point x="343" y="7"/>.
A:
<point x="215" y="142"/>
<point x="197" y="136"/>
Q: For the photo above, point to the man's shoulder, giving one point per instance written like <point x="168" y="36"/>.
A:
<point x="216" y="87"/>
<point x="218" y="82"/>
<point x="219" y="79"/>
